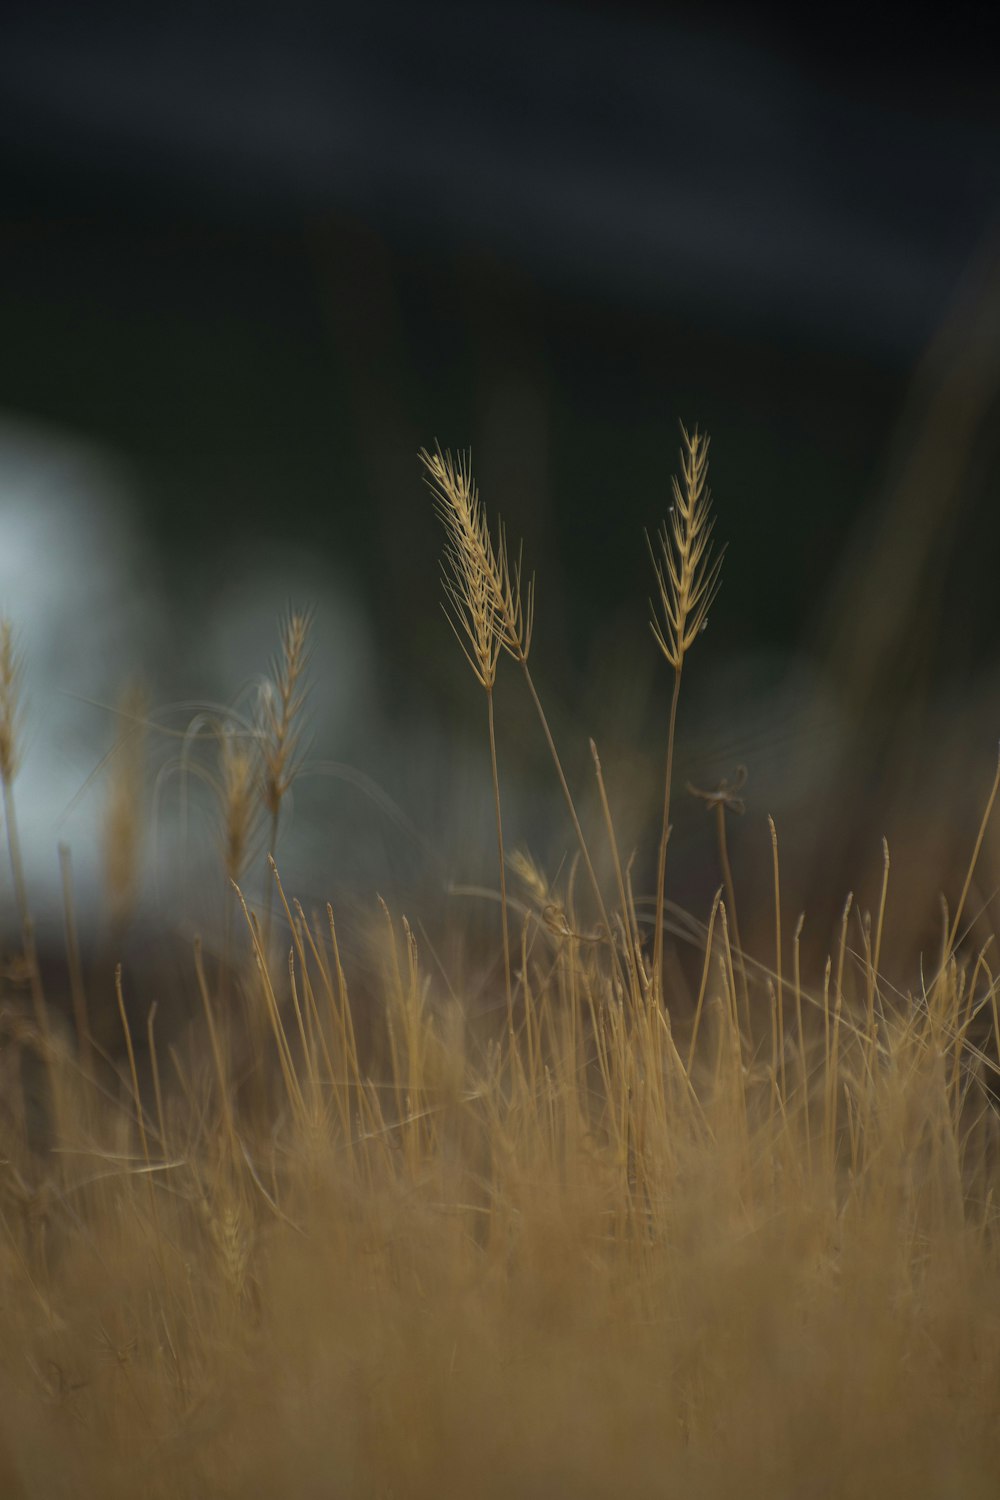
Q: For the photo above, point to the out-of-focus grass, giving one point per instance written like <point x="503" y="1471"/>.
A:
<point x="623" y="1225"/>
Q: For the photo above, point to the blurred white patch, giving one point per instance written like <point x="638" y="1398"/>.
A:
<point x="73" y="582"/>
<point x="85" y="599"/>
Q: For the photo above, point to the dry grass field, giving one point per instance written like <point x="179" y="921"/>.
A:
<point x="639" y="1227"/>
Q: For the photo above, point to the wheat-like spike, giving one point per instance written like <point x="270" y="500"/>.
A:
<point x="468" y="565"/>
<point x="233" y="1245"/>
<point x="237" y="794"/>
<point x="687" y="574"/>
<point x="469" y="608"/>
<point x="485" y="604"/>
<point x="280" y="709"/>
<point x="687" y="577"/>
<point x="530" y="875"/>
<point x="519" y="609"/>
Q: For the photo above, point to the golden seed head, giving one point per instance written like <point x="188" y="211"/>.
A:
<point x="687" y="574"/>
<point x="280" y="707"/>
<point x="483" y="598"/>
<point x="239" y="783"/>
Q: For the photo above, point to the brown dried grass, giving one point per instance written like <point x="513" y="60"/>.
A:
<point x="635" y="1238"/>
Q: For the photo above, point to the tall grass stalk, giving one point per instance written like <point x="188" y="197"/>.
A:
<point x="477" y="586"/>
<point x="281" y="708"/>
<point x="687" y="579"/>
<point x="511" y="616"/>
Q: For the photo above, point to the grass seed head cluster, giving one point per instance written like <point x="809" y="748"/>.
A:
<point x="640" y="1228"/>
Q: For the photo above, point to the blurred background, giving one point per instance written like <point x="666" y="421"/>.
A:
<point x="253" y="257"/>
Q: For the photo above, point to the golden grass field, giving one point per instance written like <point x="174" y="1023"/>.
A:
<point x="640" y="1227"/>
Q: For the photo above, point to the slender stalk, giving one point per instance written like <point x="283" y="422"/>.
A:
<point x="777" y="953"/>
<point x="78" y="992"/>
<point x="623" y="896"/>
<point x="727" y="797"/>
<point x="221" y="1072"/>
<point x="727" y="875"/>
<point x="570" y="805"/>
<point x="274" y="1016"/>
<point x="281" y="709"/>
<point x="700" y="1005"/>
<point x="803" y="1065"/>
<point x="161" y="1118"/>
<point x="140" y="1120"/>
<point x="960" y="908"/>
<point x="134" y="1075"/>
<point x="268" y="893"/>
<point x="880" y="926"/>
<point x="661" y="864"/>
<point x="687" y="579"/>
<point x="485" y="616"/>
<point x="504" y="919"/>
